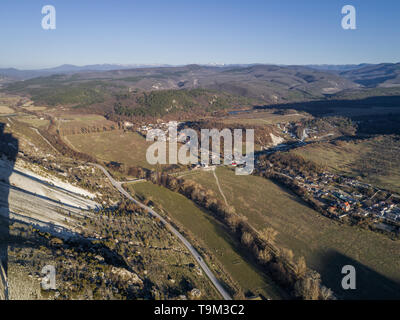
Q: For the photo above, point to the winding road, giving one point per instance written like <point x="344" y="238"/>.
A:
<point x="192" y="250"/>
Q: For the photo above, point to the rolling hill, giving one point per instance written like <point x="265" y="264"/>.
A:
<point x="161" y="90"/>
<point x="261" y="83"/>
<point x="384" y="75"/>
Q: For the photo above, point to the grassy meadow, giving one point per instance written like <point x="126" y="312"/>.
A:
<point x="125" y="147"/>
<point x="210" y="233"/>
<point x="326" y="245"/>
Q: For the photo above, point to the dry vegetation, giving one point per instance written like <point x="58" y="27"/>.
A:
<point x="6" y="110"/>
<point x="325" y="244"/>
<point x="132" y="257"/>
<point x="81" y="124"/>
<point x="118" y="253"/>
<point x="266" y="117"/>
<point x="119" y="146"/>
<point x="212" y="237"/>
<point x="279" y="262"/>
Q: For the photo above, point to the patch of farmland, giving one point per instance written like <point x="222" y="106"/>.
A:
<point x="205" y="229"/>
<point x="325" y="244"/>
<point x="119" y="146"/>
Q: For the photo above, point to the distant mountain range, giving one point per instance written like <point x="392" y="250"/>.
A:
<point x="384" y="75"/>
<point x="17" y="74"/>
<point x="368" y="75"/>
<point x="337" y="67"/>
<point x="101" y="86"/>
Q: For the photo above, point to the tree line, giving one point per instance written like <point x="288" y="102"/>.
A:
<point x="292" y="274"/>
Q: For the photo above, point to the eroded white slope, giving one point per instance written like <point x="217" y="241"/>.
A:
<point x="40" y="200"/>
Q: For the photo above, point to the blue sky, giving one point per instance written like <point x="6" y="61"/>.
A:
<point x="205" y="31"/>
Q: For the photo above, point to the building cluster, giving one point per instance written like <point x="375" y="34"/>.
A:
<point x="144" y="130"/>
<point x="343" y="196"/>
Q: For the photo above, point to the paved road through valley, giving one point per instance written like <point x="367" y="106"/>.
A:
<point x="196" y="255"/>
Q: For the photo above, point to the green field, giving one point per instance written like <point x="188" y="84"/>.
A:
<point x="326" y="245"/>
<point x="209" y="232"/>
<point x="126" y="147"/>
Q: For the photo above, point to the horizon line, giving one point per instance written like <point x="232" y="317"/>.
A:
<point x="166" y="65"/>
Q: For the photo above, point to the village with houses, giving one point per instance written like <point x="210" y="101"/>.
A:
<point x="145" y="129"/>
<point x="339" y="196"/>
<point x="329" y="191"/>
<point x="342" y="196"/>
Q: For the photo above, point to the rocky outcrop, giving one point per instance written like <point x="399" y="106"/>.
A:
<point x="127" y="276"/>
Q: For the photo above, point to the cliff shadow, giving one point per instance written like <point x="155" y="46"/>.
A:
<point x="374" y="115"/>
<point x="8" y="153"/>
<point x="370" y="284"/>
